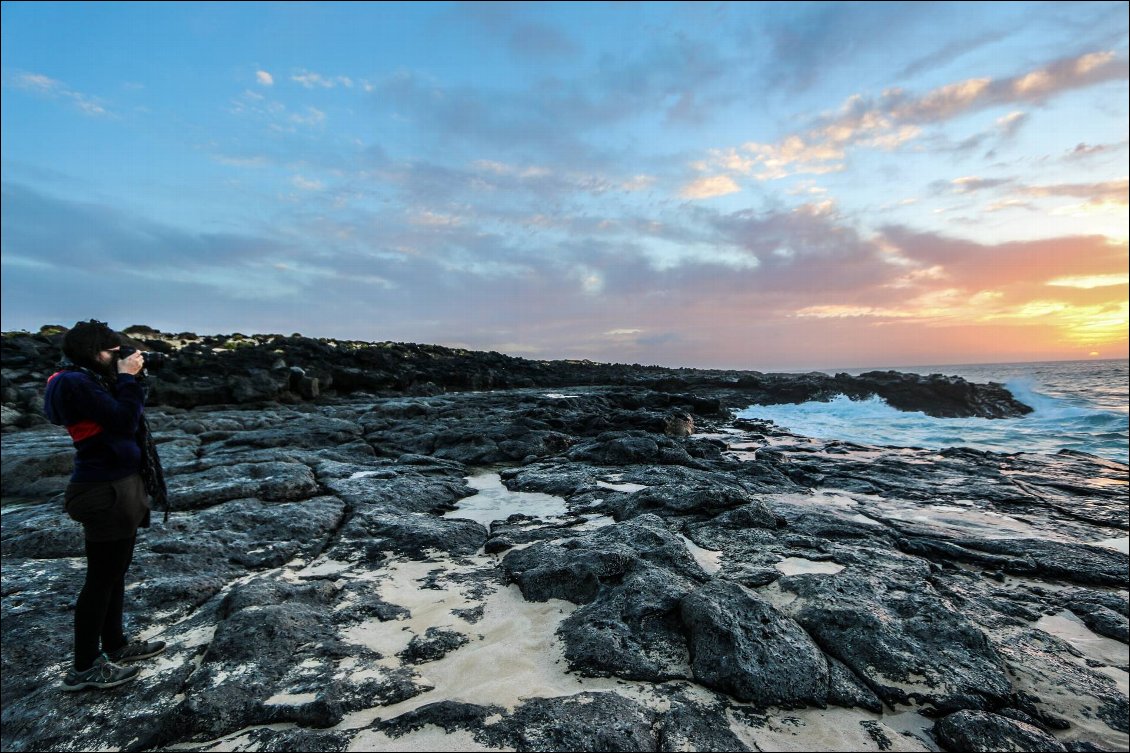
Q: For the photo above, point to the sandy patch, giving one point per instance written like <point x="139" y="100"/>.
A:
<point x="802" y="566"/>
<point x="1070" y="628"/>
<point x="832" y="729"/>
<point x="495" y="502"/>
<point x="710" y="560"/>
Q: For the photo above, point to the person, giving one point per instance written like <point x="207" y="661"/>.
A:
<point x="98" y="397"/>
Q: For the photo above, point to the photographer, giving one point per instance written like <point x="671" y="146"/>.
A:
<point x="98" y="397"/>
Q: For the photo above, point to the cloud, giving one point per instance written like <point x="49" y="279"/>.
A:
<point x="434" y="219"/>
<point x="317" y="81"/>
<point x="638" y="183"/>
<point x="98" y="238"/>
<point x="501" y="168"/>
<point x="896" y="117"/>
<point x="972" y="183"/>
<point x="307" y="184"/>
<point x="524" y="37"/>
<point x="1088" y="282"/>
<point x="832" y="29"/>
<point x="976" y="266"/>
<point x="1065" y="286"/>
<point x="674" y="78"/>
<point x="1033" y="87"/>
<point x="239" y="161"/>
<point x="706" y="188"/>
<point x="1113" y="195"/>
<point x="52" y="88"/>
<point x="805" y="264"/>
<point x="310" y="117"/>
<point x="852" y="312"/>
<point x="1011" y="124"/>
<point x="948" y="54"/>
<point x="470" y="121"/>
<point x="1084" y="151"/>
<point x="797" y="282"/>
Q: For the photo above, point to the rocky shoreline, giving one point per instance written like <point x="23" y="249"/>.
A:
<point x="661" y="576"/>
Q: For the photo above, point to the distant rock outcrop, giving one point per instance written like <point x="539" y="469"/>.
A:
<point x="253" y="370"/>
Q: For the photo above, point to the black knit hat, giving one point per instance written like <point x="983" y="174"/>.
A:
<point x="83" y="342"/>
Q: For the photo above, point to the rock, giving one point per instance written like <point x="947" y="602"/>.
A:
<point x="1102" y="611"/>
<point x="583" y="722"/>
<point x="577" y="569"/>
<point x="690" y="724"/>
<point x="890" y="628"/>
<point x="1049" y="669"/>
<point x="281" y="481"/>
<point x="678" y="425"/>
<point x="687" y="597"/>
<point x="706" y="496"/>
<point x="36" y="463"/>
<point x="434" y="644"/>
<point x="847" y="690"/>
<point x="10" y="417"/>
<point x="632" y="630"/>
<point x="1052" y="559"/>
<point x="984" y="731"/>
<point x="372" y="532"/>
<point x="273" y="640"/>
<point x="743" y="646"/>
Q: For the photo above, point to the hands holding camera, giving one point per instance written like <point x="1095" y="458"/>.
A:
<point x="129" y="360"/>
<point x="131" y="364"/>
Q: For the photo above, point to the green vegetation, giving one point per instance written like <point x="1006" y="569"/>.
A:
<point x="237" y="344"/>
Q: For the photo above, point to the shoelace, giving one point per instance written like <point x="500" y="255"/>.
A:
<point x="107" y="668"/>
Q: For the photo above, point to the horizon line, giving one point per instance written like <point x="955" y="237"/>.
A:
<point x="766" y="369"/>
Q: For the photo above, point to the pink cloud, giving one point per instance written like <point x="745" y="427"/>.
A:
<point x="896" y="117"/>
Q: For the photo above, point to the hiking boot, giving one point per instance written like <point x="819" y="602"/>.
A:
<point x="136" y="651"/>
<point x="103" y="674"/>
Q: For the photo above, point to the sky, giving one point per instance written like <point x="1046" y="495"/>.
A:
<point x="721" y="185"/>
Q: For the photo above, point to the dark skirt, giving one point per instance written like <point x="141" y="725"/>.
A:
<point x="109" y="510"/>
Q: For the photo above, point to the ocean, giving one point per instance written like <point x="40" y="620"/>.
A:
<point x="1079" y="405"/>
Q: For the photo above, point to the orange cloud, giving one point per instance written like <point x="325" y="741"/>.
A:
<point x="1110" y="193"/>
<point x="1074" y="289"/>
<point x="1088" y="282"/>
<point x="896" y="118"/>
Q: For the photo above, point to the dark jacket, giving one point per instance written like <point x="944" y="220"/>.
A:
<point x="102" y="419"/>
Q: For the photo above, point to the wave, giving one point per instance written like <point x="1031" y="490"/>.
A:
<point x="1057" y="423"/>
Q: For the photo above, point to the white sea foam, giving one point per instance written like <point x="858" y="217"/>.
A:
<point x="1078" y="406"/>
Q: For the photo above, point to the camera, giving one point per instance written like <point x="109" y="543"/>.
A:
<point x="153" y="361"/>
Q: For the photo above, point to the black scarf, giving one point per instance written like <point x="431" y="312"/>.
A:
<point x="152" y="474"/>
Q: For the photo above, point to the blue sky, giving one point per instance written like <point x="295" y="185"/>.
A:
<point x="707" y="184"/>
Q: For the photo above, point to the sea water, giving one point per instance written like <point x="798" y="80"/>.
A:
<point x="1079" y="405"/>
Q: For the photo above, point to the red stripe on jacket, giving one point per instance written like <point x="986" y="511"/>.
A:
<point x="83" y="429"/>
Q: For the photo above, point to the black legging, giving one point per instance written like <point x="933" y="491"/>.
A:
<point x="98" y="613"/>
